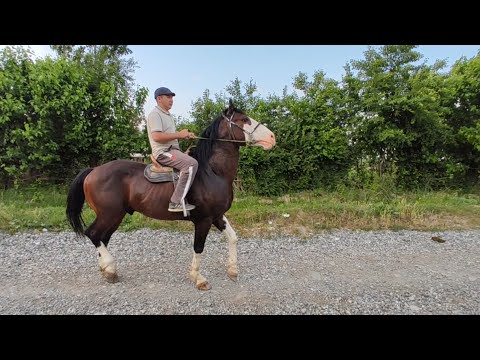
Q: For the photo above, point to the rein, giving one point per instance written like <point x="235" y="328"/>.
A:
<point x="227" y="140"/>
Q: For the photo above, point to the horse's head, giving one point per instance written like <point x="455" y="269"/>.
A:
<point x="243" y="128"/>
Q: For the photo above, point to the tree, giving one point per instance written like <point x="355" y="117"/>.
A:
<point x="61" y="114"/>
<point x="399" y="117"/>
<point x="464" y="119"/>
<point x="116" y="107"/>
<point x="15" y="67"/>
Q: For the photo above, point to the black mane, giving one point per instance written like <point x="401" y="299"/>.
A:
<point x="204" y="149"/>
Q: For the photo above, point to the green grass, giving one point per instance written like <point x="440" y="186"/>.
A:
<point x="300" y="214"/>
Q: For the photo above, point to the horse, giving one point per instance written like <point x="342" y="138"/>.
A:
<point x="119" y="187"/>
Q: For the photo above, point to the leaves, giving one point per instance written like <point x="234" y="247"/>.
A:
<point x="391" y="117"/>
<point x="66" y="113"/>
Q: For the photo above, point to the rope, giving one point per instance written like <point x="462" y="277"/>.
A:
<point x="204" y="138"/>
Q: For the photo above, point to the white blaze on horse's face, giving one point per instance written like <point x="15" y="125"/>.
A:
<point x="259" y="135"/>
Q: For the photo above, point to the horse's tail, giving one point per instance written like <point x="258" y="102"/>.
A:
<point x="75" y="200"/>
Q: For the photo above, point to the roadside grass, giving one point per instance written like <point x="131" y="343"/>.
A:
<point x="35" y="208"/>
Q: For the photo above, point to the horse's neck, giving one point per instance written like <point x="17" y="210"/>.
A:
<point x="224" y="162"/>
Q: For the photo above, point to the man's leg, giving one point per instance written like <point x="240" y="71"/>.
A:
<point x="188" y="168"/>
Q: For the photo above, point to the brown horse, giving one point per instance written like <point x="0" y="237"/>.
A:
<point x="120" y="187"/>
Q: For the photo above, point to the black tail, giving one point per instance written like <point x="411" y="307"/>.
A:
<point x="75" y="200"/>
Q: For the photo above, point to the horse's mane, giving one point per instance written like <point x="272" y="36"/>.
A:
<point x="204" y="149"/>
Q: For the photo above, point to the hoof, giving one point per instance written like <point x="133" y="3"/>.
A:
<point x="110" y="277"/>
<point x="232" y="274"/>
<point x="204" y="286"/>
<point x="233" y="277"/>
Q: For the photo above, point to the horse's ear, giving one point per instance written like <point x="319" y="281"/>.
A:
<point x="229" y="111"/>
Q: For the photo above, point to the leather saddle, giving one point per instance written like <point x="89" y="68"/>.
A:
<point x="157" y="173"/>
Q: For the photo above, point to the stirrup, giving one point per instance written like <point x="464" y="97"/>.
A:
<point x="183" y="206"/>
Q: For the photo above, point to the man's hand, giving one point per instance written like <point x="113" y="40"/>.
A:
<point x="185" y="134"/>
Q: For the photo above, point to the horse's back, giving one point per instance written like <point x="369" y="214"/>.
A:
<point x="112" y="176"/>
<point x="122" y="166"/>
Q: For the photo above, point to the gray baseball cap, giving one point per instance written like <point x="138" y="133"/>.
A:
<point x="163" y="91"/>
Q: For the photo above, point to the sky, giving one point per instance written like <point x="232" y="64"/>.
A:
<point x="188" y="70"/>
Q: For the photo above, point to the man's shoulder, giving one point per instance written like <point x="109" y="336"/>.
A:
<point x="154" y="111"/>
<point x="154" y="114"/>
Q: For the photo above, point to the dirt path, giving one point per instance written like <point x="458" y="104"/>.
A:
<point x="339" y="272"/>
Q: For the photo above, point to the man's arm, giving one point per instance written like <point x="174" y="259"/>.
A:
<point x="163" y="137"/>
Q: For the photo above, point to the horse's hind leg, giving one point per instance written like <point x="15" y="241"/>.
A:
<point x="223" y="225"/>
<point x="99" y="233"/>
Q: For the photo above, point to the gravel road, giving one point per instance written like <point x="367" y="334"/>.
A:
<point x="334" y="272"/>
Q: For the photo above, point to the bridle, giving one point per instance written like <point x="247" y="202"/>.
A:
<point x="230" y="123"/>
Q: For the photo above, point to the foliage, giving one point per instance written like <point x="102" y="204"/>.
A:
<point x="61" y="114"/>
<point x="398" y="116"/>
<point x="391" y="122"/>
<point x="463" y="100"/>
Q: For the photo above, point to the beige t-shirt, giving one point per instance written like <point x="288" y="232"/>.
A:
<point x="160" y="120"/>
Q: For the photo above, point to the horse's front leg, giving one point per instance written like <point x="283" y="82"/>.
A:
<point x="201" y="231"/>
<point x="224" y="226"/>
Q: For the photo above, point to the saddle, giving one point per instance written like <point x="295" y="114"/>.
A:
<point x="157" y="173"/>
